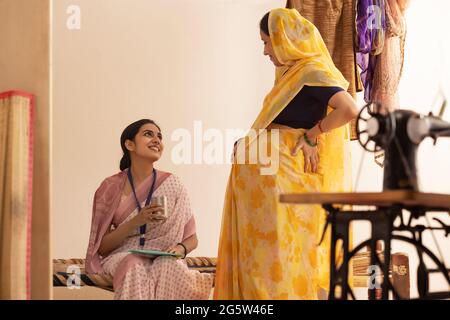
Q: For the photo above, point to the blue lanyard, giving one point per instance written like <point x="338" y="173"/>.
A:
<point x="142" y="228"/>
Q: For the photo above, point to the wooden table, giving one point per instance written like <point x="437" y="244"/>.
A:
<point x="389" y="205"/>
<point x="439" y="202"/>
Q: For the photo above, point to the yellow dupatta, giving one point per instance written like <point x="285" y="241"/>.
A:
<point x="299" y="46"/>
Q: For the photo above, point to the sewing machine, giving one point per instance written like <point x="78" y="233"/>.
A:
<point x="399" y="135"/>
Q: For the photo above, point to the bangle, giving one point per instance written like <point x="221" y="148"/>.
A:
<point x="309" y="142"/>
<point x="185" y="249"/>
<point x="320" y="126"/>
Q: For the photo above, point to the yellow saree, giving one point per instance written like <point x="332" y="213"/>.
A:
<point x="268" y="250"/>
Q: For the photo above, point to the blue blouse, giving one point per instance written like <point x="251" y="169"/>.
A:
<point x="307" y="108"/>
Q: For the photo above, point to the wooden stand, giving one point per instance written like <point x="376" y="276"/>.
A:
<point x="387" y="207"/>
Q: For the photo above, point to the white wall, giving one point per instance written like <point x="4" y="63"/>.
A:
<point x="198" y="60"/>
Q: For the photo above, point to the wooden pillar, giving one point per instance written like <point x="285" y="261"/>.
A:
<point x="25" y="65"/>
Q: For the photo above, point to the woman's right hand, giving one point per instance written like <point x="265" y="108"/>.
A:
<point x="151" y="214"/>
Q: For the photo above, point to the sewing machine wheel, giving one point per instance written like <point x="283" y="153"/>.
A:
<point x="364" y="139"/>
<point x="374" y="130"/>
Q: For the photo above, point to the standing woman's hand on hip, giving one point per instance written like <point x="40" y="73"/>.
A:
<point x="310" y="154"/>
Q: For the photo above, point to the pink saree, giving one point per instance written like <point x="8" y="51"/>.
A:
<point x="137" y="277"/>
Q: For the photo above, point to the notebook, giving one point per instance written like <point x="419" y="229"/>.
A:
<point x="153" y="253"/>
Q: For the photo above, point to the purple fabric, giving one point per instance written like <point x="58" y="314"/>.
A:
<point x="370" y="31"/>
<point x="367" y="63"/>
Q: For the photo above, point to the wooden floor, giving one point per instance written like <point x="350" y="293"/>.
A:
<point x="84" y="293"/>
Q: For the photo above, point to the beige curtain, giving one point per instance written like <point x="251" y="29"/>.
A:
<point x="16" y="171"/>
<point x="335" y="20"/>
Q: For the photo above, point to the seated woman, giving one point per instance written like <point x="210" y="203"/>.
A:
<point x="123" y="220"/>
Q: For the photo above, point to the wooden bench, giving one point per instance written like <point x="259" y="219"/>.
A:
<point x="63" y="270"/>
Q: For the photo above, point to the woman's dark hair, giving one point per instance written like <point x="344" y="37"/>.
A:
<point x="128" y="134"/>
<point x="264" y="24"/>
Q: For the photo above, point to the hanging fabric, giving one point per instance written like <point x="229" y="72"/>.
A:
<point x="389" y="63"/>
<point x="370" y="34"/>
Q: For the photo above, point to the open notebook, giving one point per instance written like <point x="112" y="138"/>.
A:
<point x="153" y="253"/>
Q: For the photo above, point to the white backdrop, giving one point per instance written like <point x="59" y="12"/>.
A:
<point x="199" y="60"/>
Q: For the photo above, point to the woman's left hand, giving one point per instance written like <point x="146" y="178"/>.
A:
<point x="177" y="249"/>
<point x="311" y="154"/>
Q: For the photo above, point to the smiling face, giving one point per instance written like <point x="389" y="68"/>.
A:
<point x="268" y="49"/>
<point x="147" y="144"/>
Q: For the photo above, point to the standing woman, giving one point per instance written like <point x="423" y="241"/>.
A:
<point x="268" y="250"/>
<point x="123" y="220"/>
